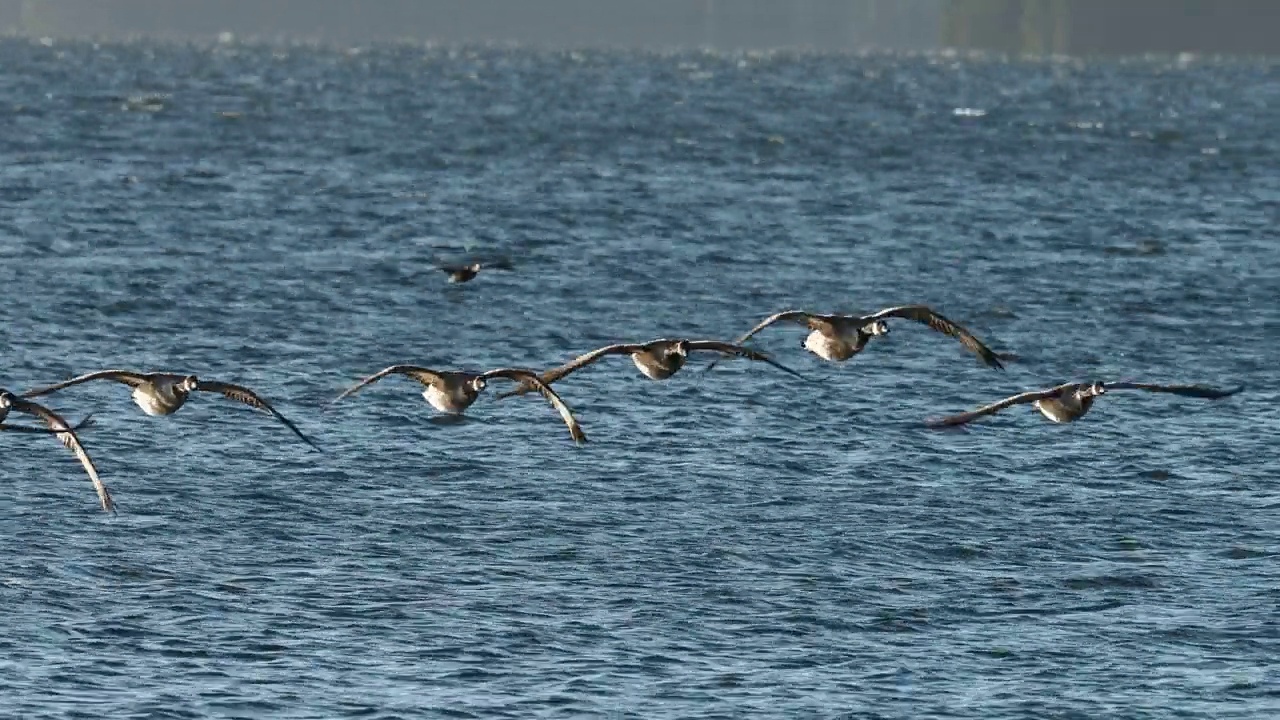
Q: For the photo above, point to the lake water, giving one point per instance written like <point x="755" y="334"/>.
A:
<point x="737" y="543"/>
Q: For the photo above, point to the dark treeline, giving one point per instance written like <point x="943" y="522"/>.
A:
<point x="825" y="24"/>
<point x="1082" y="27"/>
<point x="1032" y="26"/>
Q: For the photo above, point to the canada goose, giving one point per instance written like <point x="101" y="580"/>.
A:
<point x="163" y="393"/>
<point x="1070" y="401"/>
<point x="454" y="392"/>
<point x="839" y="337"/>
<point x="464" y="273"/>
<point x="65" y="434"/>
<point x="657" y="359"/>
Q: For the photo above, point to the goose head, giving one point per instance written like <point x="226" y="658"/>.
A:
<point x="1093" y="390"/>
<point x="879" y="327"/>
<point x="477" y="384"/>
<point x="189" y="383"/>
<point x="6" y="402"/>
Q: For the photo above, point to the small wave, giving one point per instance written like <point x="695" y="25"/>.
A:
<point x="1100" y="582"/>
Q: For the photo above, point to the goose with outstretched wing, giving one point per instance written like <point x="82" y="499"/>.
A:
<point x="468" y="272"/>
<point x="656" y="359"/>
<point x="1070" y="401"/>
<point x="161" y="394"/>
<point x="65" y="433"/>
<point x="454" y="392"/>
<point x="837" y="338"/>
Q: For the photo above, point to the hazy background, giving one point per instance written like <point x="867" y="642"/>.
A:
<point x="1070" y="26"/>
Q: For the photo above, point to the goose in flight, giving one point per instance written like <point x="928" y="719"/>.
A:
<point x="163" y="393"/>
<point x="464" y="273"/>
<point x="65" y="434"/>
<point x="1070" y="401"/>
<point x="839" y="337"/>
<point x="657" y="359"/>
<point x="454" y="392"/>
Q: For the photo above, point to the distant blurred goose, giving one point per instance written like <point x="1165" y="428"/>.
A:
<point x="454" y="392"/>
<point x="839" y="337"/>
<point x="464" y="273"/>
<point x="1070" y="401"/>
<point x="163" y="393"/>
<point x="657" y="359"/>
<point x="65" y="434"/>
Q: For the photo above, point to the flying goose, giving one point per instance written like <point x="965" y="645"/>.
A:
<point x="454" y="392"/>
<point x="163" y="393"/>
<point x="839" y="337"/>
<point x="464" y="273"/>
<point x="65" y="434"/>
<point x="1070" y="401"/>
<point x="657" y="359"/>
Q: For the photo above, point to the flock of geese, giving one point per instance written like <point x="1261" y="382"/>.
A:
<point x="834" y="338"/>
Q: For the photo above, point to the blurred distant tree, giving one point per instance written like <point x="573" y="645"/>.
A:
<point x="10" y="16"/>
<point x="1113" y="26"/>
<point x="1019" y="26"/>
<point x="38" y="17"/>
<point x="987" y="24"/>
<point x="1044" y="26"/>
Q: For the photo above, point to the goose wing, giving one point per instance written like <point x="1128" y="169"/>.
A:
<point x="253" y="400"/>
<point x="821" y="323"/>
<point x="995" y="407"/>
<point x="86" y="422"/>
<point x="581" y="361"/>
<point x="740" y="351"/>
<point x="531" y="378"/>
<point x="421" y="374"/>
<point x="132" y="379"/>
<point x="814" y="322"/>
<point x="67" y="437"/>
<point x="1199" y="391"/>
<point x="927" y="316"/>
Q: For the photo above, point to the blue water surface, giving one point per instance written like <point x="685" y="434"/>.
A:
<point x="736" y="543"/>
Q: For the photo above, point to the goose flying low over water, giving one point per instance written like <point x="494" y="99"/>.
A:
<point x="65" y="433"/>
<point x="657" y="359"/>
<point x="464" y="273"/>
<point x="163" y="393"/>
<point x="454" y="392"/>
<point x="1070" y="401"/>
<point x="837" y="338"/>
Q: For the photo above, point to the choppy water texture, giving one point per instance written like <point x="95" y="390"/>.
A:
<point x="729" y="544"/>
